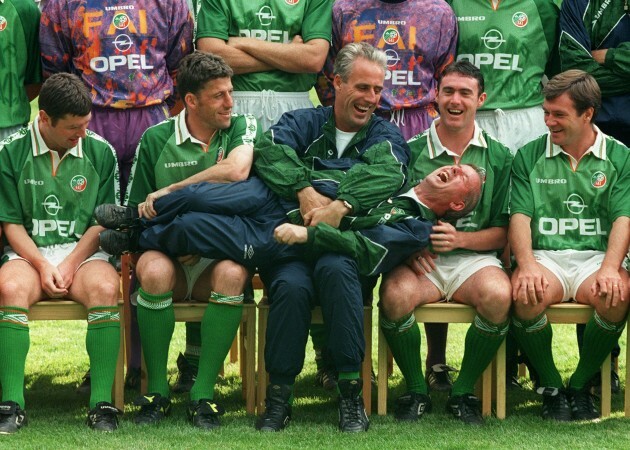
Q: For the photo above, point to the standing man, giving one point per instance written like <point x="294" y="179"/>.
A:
<point x="54" y="174"/>
<point x="126" y="54"/>
<point x="367" y="157"/>
<point x="513" y="43"/>
<point x="569" y="235"/>
<point x="419" y="39"/>
<point x="466" y="268"/>
<point x="275" y="47"/>
<point x="595" y="38"/>
<point x="204" y="142"/>
<point x="19" y="62"/>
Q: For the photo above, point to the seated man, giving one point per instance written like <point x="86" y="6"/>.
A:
<point x="569" y="235"/>
<point x="204" y="142"/>
<point x="220" y="220"/>
<point x="466" y="268"/>
<point x="53" y="175"/>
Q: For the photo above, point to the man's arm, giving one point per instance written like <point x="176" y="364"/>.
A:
<point x="530" y="284"/>
<point x="576" y="48"/>
<point x="235" y="167"/>
<point x="55" y="41"/>
<point x="295" y="57"/>
<point x="180" y="35"/>
<point x="86" y="247"/>
<point x="240" y="61"/>
<point x="607" y="282"/>
<point x="446" y="238"/>
<point x="52" y="281"/>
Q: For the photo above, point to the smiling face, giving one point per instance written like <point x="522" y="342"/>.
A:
<point x="358" y="96"/>
<point x="66" y="131"/>
<point x="458" y="99"/>
<point x="449" y="188"/>
<point x="212" y="106"/>
<point x="568" y="129"/>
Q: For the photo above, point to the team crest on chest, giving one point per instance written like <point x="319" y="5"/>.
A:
<point x="391" y="36"/>
<point x="292" y="2"/>
<point x="220" y="154"/>
<point x="121" y="20"/>
<point x="3" y="23"/>
<point x="598" y="180"/>
<point x="78" y="183"/>
<point x="520" y="19"/>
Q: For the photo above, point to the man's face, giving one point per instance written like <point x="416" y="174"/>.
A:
<point x="212" y="106"/>
<point x="458" y="99"/>
<point x="566" y="126"/>
<point x="447" y="187"/>
<point x="358" y="96"/>
<point x="66" y="132"/>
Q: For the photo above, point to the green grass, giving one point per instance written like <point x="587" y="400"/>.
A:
<point x="57" y="361"/>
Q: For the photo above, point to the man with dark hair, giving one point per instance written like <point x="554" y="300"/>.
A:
<point x="204" y="142"/>
<point x="466" y="268"/>
<point x="569" y="234"/>
<point x="54" y="173"/>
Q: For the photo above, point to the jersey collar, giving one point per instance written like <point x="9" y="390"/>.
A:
<point x="598" y="149"/>
<point x="39" y="147"/>
<point x="436" y="148"/>
<point x="426" y="212"/>
<point x="182" y="134"/>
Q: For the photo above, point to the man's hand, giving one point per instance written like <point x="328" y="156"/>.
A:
<point x="67" y="271"/>
<point x="146" y="209"/>
<point x="444" y="237"/>
<point x="609" y="286"/>
<point x="290" y="234"/>
<point x="599" y="55"/>
<point x="52" y="281"/>
<point x="310" y="199"/>
<point x="188" y="260"/>
<point x="529" y="285"/>
<point x="331" y="214"/>
<point x="422" y="262"/>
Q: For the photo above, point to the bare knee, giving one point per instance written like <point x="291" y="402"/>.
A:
<point x="495" y="300"/>
<point x="156" y="273"/>
<point x="397" y="297"/>
<point x="13" y="293"/>
<point x="229" y="278"/>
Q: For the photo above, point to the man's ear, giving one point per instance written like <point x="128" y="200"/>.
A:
<point x="481" y="100"/>
<point x="456" y="206"/>
<point x="43" y="117"/>
<point x="190" y="100"/>
<point x="337" y="81"/>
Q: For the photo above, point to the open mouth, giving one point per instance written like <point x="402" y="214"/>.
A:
<point x="443" y="176"/>
<point x="362" y="109"/>
<point x="455" y="112"/>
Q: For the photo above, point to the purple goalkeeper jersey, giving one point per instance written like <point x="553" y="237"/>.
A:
<point x="126" y="51"/>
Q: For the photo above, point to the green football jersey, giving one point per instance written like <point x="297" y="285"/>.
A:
<point x="428" y="154"/>
<point x="572" y="205"/>
<point x="511" y="44"/>
<point x="167" y="153"/>
<point x="54" y="200"/>
<point x="267" y="20"/>
<point x="20" y="61"/>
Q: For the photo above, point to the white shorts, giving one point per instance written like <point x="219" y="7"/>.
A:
<point x="192" y="274"/>
<point x="451" y="271"/>
<point x="268" y="106"/>
<point x="55" y="254"/>
<point x="571" y="267"/>
<point x="514" y="127"/>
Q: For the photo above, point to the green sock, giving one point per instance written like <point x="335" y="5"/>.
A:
<point x="403" y="338"/>
<point x="534" y="336"/>
<point x="218" y="327"/>
<point x="349" y="375"/>
<point x="600" y="337"/>
<point x="483" y="339"/>
<point x="193" y="343"/>
<point x="14" y="344"/>
<point x="103" y="343"/>
<point x="156" y="321"/>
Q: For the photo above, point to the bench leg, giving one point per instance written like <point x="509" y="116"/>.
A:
<point x="367" y="360"/>
<point x="119" y="378"/>
<point x="383" y="357"/>
<point x="499" y="362"/>
<point x="606" y="396"/>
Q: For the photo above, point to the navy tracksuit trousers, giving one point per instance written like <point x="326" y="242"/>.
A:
<point x="236" y="221"/>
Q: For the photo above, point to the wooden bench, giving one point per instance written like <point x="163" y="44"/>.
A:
<point x="70" y="310"/>
<point x="316" y="318"/>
